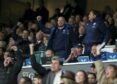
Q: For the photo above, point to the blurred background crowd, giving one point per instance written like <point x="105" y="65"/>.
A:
<point x="68" y="36"/>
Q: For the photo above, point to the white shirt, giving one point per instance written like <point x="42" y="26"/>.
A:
<point x="57" y="77"/>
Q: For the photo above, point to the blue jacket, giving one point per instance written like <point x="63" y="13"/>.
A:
<point x="96" y="31"/>
<point x="68" y="34"/>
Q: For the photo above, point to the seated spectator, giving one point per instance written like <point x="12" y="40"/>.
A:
<point x="94" y="52"/>
<point x="75" y="53"/>
<point x="25" y="80"/>
<point x="37" y="79"/>
<point x="49" y="53"/>
<point x="48" y="56"/>
<point x="81" y="77"/>
<point x="92" y="78"/>
<point x="68" y="77"/>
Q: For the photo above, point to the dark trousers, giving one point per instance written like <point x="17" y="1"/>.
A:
<point x="87" y="50"/>
<point x="62" y="54"/>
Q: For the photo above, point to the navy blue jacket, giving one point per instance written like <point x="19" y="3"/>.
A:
<point x="96" y="31"/>
<point x="70" y="39"/>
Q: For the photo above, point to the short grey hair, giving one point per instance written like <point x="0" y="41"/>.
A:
<point x="58" y="59"/>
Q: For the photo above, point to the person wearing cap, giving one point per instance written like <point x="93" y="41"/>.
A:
<point x="68" y="77"/>
<point x="49" y="76"/>
<point x="62" y="37"/>
<point x="75" y="53"/>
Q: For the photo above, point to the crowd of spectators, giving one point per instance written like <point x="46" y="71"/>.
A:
<point x="35" y="40"/>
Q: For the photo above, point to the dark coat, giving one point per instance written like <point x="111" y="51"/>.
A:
<point x="8" y="75"/>
<point x="68" y="36"/>
<point x="96" y="31"/>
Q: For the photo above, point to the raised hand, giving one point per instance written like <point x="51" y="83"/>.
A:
<point x="39" y="18"/>
<point x="14" y="48"/>
<point x="31" y="46"/>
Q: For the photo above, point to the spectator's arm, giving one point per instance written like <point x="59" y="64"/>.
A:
<point x="42" y="26"/>
<point x="100" y="72"/>
<point x="100" y="69"/>
<point x="19" y="61"/>
<point x="68" y="59"/>
<point x="14" y="35"/>
<point x="36" y="66"/>
<point x="72" y="54"/>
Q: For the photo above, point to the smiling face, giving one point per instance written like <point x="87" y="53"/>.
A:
<point x="92" y="16"/>
<point x="111" y="71"/>
<point x="61" y="21"/>
<point x="79" y="77"/>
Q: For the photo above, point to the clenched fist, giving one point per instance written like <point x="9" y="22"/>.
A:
<point x="39" y="18"/>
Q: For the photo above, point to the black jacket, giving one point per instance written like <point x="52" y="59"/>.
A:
<point x="8" y="75"/>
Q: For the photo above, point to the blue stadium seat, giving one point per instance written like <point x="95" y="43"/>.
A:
<point x="104" y="56"/>
<point x="27" y="61"/>
<point x="111" y="56"/>
<point x="83" y="59"/>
